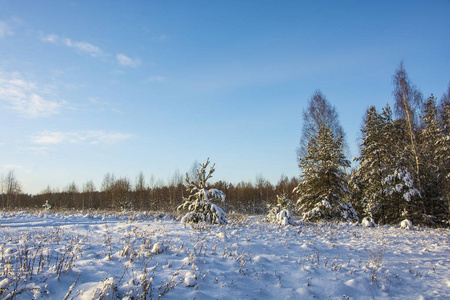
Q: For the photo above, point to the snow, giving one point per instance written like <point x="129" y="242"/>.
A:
<point x="131" y="256"/>
<point x="406" y="224"/>
<point x="189" y="279"/>
<point x="367" y="222"/>
<point x="284" y="217"/>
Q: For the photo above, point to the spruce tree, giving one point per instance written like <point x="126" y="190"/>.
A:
<point x="373" y="163"/>
<point x="431" y="136"/>
<point x="403" y="199"/>
<point x="323" y="186"/>
<point x="280" y="213"/>
<point x="442" y="157"/>
<point x="201" y="202"/>
<point x="386" y="189"/>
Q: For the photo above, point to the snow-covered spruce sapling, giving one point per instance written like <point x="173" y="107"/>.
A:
<point x="280" y="213"/>
<point x="47" y="206"/>
<point x="201" y="202"/>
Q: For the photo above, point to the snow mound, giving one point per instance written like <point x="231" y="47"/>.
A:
<point x="157" y="248"/>
<point x="406" y="224"/>
<point x="367" y="222"/>
<point x="284" y="217"/>
<point x="189" y="280"/>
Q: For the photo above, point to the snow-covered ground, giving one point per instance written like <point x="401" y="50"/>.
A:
<point x="81" y="256"/>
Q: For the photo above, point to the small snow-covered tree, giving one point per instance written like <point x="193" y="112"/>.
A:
<point x="201" y="202"/>
<point x="323" y="187"/>
<point x="47" y="205"/>
<point x="280" y="213"/>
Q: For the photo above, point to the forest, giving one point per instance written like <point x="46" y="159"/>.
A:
<point x="402" y="171"/>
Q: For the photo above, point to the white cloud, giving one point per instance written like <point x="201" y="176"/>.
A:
<point x="77" y="137"/>
<point x="24" y="97"/>
<point x="82" y="46"/>
<point x="5" y="30"/>
<point x="124" y="60"/>
<point x="86" y="47"/>
<point x="156" y="79"/>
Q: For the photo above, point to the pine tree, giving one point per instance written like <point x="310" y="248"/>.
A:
<point x="201" y="202"/>
<point x="324" y="187"/>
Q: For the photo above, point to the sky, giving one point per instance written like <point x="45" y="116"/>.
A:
<point x="123" y="87"/>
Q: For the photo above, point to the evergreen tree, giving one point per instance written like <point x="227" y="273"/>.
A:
<point x="442" y="157"/>
<point x="385" y="187"/>
<point x="431" y="136"/>
<point x="403" y="199"/>
<point x="373" y="163"/>
<point x="280" y="213"/>
<point x="201" y="202"/>
<point x="324" y="187"/>
<point x="400" y="187"/>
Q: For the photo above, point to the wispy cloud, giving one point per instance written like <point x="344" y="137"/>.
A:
<point x="25" y="97"/>
<point x="78" y="137"/>
<point x="124" y="60"/>
<point x="81" y="46"/>
<point x="5" y="30"/>
<point x="86" y="47"/>
<point x="156" y="79"/>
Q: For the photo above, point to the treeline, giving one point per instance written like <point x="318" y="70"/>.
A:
<point x="121" y="193"/>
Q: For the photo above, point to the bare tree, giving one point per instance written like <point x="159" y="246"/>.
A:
<point x="11" y="190"/>
<point x="121" y="194"/>
<point x="193" y="170"/>
<point x="72" y="194"/>
<point x="319" y="113"/>
<point x="443" y="114"/>
<point x="140" y="189"/>
<point x="88" y="194"/>
<point x="107" y="184"/>
<point x="408" y="104"/>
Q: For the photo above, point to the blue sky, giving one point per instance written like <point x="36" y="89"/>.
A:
<point x="91" y="87"/>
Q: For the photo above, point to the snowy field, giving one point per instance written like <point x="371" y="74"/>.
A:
<point x="138" y="256"/>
